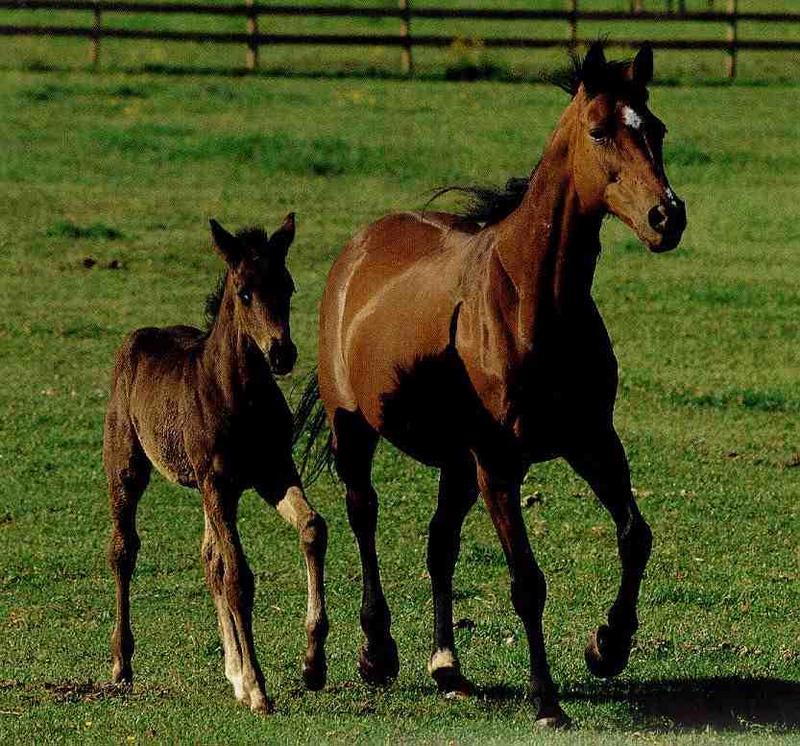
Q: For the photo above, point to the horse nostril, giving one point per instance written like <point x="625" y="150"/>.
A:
<point x="657" y="217"/>
<point x="282" y="357"/>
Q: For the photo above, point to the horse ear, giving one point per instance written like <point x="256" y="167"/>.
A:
<point x="226" y="244"/>
<point x="642" y="66"/>
<point x="281" y="240"/>
<point x="593" y="68"/>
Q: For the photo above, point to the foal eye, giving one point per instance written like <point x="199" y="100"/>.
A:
<point x="245" y="297"/>
<point x="598" y="133"/>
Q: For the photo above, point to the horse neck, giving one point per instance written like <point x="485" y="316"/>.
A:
<point x="228" y="354"/>
<point x="548" y="247"/>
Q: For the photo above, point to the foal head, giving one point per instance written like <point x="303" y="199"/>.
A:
<point x="616" y="147"/>
<point x="260" y="287"/>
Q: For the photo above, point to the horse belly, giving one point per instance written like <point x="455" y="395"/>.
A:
<point x="163" y="443"/>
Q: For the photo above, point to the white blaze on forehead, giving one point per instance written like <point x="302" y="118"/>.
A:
<point x="631" y="118"/>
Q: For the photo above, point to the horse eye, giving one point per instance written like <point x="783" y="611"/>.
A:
<point x="598" y="133"/>
<point x="245" y="297"/>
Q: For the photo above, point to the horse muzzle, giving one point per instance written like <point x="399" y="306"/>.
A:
<point x="668" y="222"/>
<point x="282" y="356"/>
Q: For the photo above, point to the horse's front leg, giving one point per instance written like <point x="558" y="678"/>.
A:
<point x="457" y="494"/>
<point x="232" y="583"/>
<point x="286" y="494"/>
<point x="601" y="461"/>
<point x="528" y="587"/>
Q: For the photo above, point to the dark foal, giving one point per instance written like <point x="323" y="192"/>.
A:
<point x="473" y="344"/>
<point x="205" y="410"/>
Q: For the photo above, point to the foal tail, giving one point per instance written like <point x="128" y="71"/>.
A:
<point x="310" y="426"/>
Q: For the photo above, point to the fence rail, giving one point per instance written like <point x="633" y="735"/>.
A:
<point x="405" y="39"/>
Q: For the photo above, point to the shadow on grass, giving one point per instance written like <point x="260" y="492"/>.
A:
<point x="721" y="703"/>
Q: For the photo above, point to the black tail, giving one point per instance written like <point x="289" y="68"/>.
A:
<point x="310" y="425"/>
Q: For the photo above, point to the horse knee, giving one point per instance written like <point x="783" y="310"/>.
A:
<point x="122" y="550"/>
<point x="362" y="510"/>
<point x="529" y="593"/>
<point x="314" y="536"/>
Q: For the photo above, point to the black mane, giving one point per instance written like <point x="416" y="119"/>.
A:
<point x="214" y="301"/>
<point x="491" y="204"/>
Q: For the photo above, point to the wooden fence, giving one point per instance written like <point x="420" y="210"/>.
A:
<point x="252" y="39"/>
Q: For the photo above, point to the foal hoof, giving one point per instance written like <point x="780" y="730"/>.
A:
<point x="315" y="673"/>
<point x="122" y="676"/>
<point x="606" y="653"/>
<point x="379" y="664"/>
<point x="261" y="705"/>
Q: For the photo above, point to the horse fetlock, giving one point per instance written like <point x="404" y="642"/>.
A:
<point x="445" y="670"/>
<point x="315" y="669"/>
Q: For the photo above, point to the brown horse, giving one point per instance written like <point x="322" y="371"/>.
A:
<point x="204" y="409"/>
<point x="475" y="346"/>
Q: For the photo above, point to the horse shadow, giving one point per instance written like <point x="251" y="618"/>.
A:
<point x="727" y="703"/>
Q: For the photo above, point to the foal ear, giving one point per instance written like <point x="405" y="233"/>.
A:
<point x="226" y="244"/>
<point x="593" y="68"/>
<point x="281" y="240"/>
<point x="642" y="66"/>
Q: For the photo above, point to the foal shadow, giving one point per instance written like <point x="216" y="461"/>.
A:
<point x="727" y="703"/>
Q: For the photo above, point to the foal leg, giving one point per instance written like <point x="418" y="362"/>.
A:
<point x="128" y="472"/>
<point x="355" y="446"/>
<point x="290" y="501"/>
<point x="602" y="463"/>
<point x="215" y="574"/>
<point x="230" y="576"/>
<point x="528" y="587"/>
<point x="458" y="491"/>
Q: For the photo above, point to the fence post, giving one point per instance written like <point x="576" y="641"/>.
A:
<point x="406" y="59"/>
<point x="637" y="6"/>
<point x="94" y="43"/>
<point x="573" y="23"/>
<point x="732" y="19"/>
<point x="252" y="30"/>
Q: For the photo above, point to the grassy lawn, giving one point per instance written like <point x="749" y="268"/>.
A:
<point x="129" y="167"/>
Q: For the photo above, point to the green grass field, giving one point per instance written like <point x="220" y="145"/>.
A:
<point x="129" y="167"/>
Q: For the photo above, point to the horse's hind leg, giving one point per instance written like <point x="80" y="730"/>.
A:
<point x="128" y="472"/>
<point x="354" y="445"/>
<point x="287" y="495"/>
<point x="602" y="463"/>
<point x="458" y="490"/>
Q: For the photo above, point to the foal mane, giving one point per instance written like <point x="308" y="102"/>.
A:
<point x="490" y="204"/>
<point x="249" y="236"/>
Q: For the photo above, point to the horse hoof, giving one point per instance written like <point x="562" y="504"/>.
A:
<point x="379" y="664"/>
<point x="559" y="721"/>
<point x="261" y="705"/>
<point x="606" y="653"/>
<point x="315" y="673"/>
<point x="452" y="684"/>
<point x="122" y="676"/>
